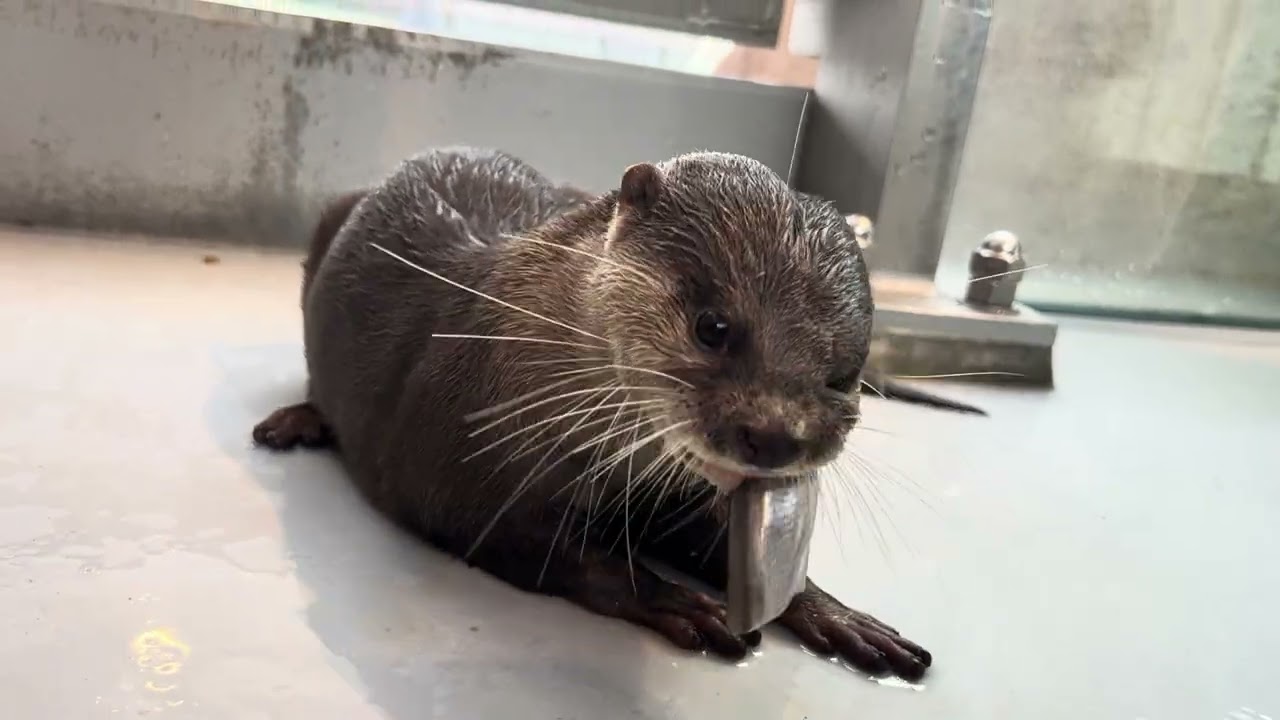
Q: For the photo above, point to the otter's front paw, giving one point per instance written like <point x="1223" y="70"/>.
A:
<point x="690" y="619"/>
<point x="827" y="627"/>
<point x="294" y="425"/>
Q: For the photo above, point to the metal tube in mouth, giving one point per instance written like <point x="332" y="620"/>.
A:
<point x="770" y="526"/>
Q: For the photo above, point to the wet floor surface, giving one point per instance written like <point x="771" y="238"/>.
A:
<point x="1107" y="550"/>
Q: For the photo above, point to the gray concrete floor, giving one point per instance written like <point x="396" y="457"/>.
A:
<point x="1107" y="550"/>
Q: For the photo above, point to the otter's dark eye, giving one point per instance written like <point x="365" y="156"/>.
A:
<point x="843" y="384"/>
<point x="712" y="329"/>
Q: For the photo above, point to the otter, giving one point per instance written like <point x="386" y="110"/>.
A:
<point x="562" y="389"/>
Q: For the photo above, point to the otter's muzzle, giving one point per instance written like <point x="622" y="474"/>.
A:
<point x="770" y="526"/>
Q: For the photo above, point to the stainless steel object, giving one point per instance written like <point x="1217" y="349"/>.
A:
<point x="995" y="269"/>
<point x="770" y="526"/>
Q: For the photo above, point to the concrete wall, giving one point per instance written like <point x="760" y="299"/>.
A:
<point x="182" y="118"/>
<point x="1129" y="141"/>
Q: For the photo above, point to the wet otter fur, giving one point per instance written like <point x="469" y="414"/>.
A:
<point x="555" y="386"/>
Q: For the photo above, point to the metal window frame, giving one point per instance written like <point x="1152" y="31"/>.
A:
<point x="749" y="22"/>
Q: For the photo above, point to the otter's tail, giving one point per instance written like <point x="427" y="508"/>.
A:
<point x="331" y="220"/>
<point x="894" y="390"/>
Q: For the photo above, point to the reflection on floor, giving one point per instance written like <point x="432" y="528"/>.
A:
<point x="1104" y="550"/>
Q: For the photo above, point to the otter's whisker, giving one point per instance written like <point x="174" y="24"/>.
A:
<point x="579" y="372"/>
<point x="900" y="480"/>
<point x="874" y="389"/>
<point x="593" y="443"/>
<point x="521" y="409"/>
<point x="689" y="506"/>
<point x="832" y="512"/>
<point x="564" y="517"/>
<point x="851" y="480"/>
<point x="479" y="294"/>
<point x="556" y="418"/>
<point x="647" y="371"/>
<point x="985" y="373"/>
<point x="544" y="401"/>
<point x="655" y="466"/>
<point x="514" y="338"/>
<point x="639" y="420"/>
<point x="591" y="482"/>
<point x="878" y="431"/>
<point x="660" y="485"/>
<point x="881" y="506"/>
<point x="874" y="522"/>
<point x="1007" y="272"/>
<point x="518" y="450"/>
<point x="579" y="251"/>
<point x="597" y="469"/>
<point x="873" y="478"/>
<point x="637" y="445"/>
<point x="626" y="504"/>
<point x="634" y="404"/>
<point x="656" y="463"/>
<point x="531" y="479"/>
<point x="628" y="452"/>
<point x="580" y="425"/>
<point x="846" y="502"/>
<point x="564" y="361"/>
<point x="494" y="409"/>
<point x="602" y="469"/>
<point x="715" y="540"/>
<point x="886" y="509"/>
<point x="608" y="465"/>
<point x="680" y="479"/>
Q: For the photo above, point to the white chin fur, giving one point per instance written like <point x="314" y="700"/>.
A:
<point x="725" y="480"/>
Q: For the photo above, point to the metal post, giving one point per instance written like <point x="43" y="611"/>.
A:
<point x="894" y="94"/>
<point x="885" y="135"/>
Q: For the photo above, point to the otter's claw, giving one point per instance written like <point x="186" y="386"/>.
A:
<point x="691" y="620"/>
<point x="827" y="627"/>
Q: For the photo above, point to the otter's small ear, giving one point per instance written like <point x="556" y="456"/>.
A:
<point x="641" y="186"/>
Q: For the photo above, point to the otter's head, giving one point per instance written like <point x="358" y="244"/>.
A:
<point x="745" y="305"/>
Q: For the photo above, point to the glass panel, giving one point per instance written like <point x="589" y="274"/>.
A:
<point x="1134" y="147"/>
<point x="754" y="22"/>
<point x="697" y="48"/>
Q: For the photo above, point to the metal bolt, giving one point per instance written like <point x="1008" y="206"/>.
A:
<point x="864" y="231"/>
<point x="995" y="269"/>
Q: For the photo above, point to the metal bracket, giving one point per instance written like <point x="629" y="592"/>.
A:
<point x="920" y="332"/>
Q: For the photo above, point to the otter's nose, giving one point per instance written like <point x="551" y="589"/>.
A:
<point x="766" y="447"/>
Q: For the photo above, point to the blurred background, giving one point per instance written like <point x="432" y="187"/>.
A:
<point x="1133" y="145"/>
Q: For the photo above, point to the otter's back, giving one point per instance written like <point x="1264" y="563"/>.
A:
<point x="368" y="322"/>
